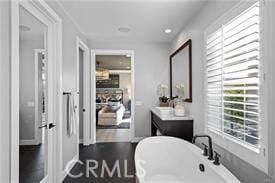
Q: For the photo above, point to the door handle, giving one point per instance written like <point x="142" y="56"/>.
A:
<point x="51" y="125"/>
<point x="44" y="126"/>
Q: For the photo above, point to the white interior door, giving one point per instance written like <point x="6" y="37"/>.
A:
<point x="35" y="33"/>
<point x="53" y="24"/>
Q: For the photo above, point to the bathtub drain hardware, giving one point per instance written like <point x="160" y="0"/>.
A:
<point x="202" y="168"/>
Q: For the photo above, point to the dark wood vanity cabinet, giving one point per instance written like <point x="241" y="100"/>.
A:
<point x="176" y="128"/>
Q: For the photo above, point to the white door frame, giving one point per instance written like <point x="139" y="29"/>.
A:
<point x="86" y="117"/>
<point x="93" y="89"/>
<point x="45" y="14"/>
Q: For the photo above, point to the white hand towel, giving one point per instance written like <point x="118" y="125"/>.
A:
<point x="71" y="115"/>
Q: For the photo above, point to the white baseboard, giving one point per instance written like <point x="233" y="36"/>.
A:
<point x="81" y="142"/>
<point x="29" y="142"/>
<point x="90" y="142"/>
<point x="69" y="166"/>
<point x="137" y="139"/>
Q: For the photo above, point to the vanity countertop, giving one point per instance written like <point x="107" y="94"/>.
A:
<point x="169" y="117"/>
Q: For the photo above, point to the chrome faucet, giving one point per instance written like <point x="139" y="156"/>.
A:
<point x="210" y="150"/>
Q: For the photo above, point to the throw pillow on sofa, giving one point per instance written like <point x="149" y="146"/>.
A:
<point x="114" y="105"/>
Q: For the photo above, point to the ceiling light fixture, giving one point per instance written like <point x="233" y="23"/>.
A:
<point x="101" y="73"/>
<point x="124" y="29"/>
<point x="167" y="31"/>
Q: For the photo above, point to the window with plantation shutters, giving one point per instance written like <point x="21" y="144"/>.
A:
<point x="232" y="78"/>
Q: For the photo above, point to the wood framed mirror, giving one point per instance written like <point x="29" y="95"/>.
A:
<point x="181" y="71"/>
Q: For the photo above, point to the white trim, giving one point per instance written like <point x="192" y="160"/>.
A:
<point x="69" y="167"/>
<point x="37" y="132"/>
<point x="29" y="142"/>
<point x="268" y="23"/>
<point x="86" y="85"/>
<point x="264" y="97"/>
<point x="14" y="169"/>
<point x="93" y="88"/>
<point x="51" y="20"/>
<point x="92" y="98"/>
<point x="81" y="141"/>
<point x="70" y="17"/>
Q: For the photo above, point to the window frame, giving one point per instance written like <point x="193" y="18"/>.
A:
<point x="255" y="156"/>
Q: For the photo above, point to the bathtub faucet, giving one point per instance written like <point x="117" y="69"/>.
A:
<point x="210" y="150"/>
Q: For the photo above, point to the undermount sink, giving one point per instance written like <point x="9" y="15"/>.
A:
<point x="165" y="110"/>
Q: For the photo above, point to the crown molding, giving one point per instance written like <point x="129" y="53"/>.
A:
<point x="70" y="18"/>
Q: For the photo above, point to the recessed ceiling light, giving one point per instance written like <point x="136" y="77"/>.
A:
<point x="124" y="29"/>
<point x="24" y="28"/>
<point x="167" y="31"/>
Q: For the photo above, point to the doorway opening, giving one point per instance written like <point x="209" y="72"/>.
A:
<point x="82" y="88"/>
<point x="113" y="96"/>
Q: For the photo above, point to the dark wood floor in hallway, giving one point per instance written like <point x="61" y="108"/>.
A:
<point x="100" y="158"/>
<point x="31" y="163"/>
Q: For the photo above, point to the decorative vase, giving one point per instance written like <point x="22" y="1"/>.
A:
<point x="163" y="104"/>
<point x="179" y="108"/>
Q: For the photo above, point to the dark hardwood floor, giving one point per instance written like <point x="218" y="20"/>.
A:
<point x="107" y="155"/>
<point x="31" y="163"/>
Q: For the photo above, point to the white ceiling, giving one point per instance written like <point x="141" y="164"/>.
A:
<point x="114" y="62"/>
<point x="36" y="31"/>
<point x="99" y="20"/>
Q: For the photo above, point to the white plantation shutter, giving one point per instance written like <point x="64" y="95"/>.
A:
<point x="232" y="78"/>
<point x="214" y="80"/>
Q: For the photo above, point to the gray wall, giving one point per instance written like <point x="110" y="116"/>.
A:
<point x="151" y="69"/>
<point x="5" y="91"/>
<point x="195" y="31"/>
<point x="27" y="87"/>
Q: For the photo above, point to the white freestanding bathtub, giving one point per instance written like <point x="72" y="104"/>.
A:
<point x="165" y="159"/>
